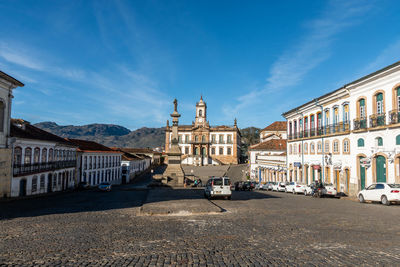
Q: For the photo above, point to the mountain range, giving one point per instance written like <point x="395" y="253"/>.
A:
<point x="119" y="136"/>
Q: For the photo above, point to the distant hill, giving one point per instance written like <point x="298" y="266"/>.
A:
<point x="119" y="136"/>
<point x="109" y="134"/>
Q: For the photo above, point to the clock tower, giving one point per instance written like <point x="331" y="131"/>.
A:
<point x="201" y="113"/>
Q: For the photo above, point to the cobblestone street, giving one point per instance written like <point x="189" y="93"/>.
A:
<point x="256" y="228"/>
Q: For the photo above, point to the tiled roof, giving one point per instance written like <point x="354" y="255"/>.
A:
<point x="276" y="126"/>
<point x="138" y="150"/>
<point x="23" y="129"/>
<point x="10" y="79"/>
<point x="90" y="146"/>
<point x="129" y="157"/>
<point x="273" y="144"/>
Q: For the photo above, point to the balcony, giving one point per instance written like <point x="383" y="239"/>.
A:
<point x="394" y="116"/>
<point x="360" y="123"/>
<point x="198" y="142"/>
<point x="376" y="120"/>
<point x="340" y="127"/>
<point x="25" y="169"/>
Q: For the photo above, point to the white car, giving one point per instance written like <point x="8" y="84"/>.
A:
<point x="218" y="187"/>
<point x="295" y="187"/>
<point x="329" y="190"/>
<point x="281" y="187"/>
<point x="382" y="192"/>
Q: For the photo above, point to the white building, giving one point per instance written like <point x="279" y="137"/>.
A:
<point x="201" y="144"/>
<point x="97" y="163"/>
<point x="349" y="137"/>
<point x="133" y="165"/>
<point x="7" y="85"/>
<point x="42" y="162"/>
<point x="268" y="158"/>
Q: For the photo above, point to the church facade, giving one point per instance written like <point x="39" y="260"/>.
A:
<point x="202" y="145"/>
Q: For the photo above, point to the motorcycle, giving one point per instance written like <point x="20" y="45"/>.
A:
<point x="317" y="192"/>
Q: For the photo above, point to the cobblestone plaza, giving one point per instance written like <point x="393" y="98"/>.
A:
<point x="255" y="229"/>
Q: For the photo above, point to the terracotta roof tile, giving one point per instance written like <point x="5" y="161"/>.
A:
<point x="91" y="146"/>
<point x="276" y="126"/>
<point x="273" y="144"/>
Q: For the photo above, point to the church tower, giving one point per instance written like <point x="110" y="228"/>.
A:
<point x="201" y="113"/>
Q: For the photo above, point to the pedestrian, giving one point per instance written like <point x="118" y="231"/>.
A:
<point x="184" y="182"/>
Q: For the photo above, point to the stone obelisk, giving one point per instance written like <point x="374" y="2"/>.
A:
<point x="174" y="175"/>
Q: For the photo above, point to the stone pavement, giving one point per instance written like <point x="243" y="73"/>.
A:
<point x="257" y="229"/>
<point x="177" y="201"/>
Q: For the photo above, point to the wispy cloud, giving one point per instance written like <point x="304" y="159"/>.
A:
<point x="387" y="56"/>
<point x="19" y="56"/>
<point x="309" y="52"/>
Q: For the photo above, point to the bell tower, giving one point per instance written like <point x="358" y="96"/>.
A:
<point x="201" y="113"/>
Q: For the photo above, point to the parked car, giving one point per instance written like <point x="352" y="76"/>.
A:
<point x="258" y="186"/>
<point x="270" y="185"/>
<point x="105" y="187"/>
<point x="83" y="185"/>
<point x="248" y="186"/>
<point x="218" y="187"/>
<point x="265" y="186"/>
<point x="275" y="186"/>
<point x="329" y="190"/>
<point x="382" y="192"/>
<point x="281" y="187"/>
<point x="295" y="187"/>
<point x="308" y="189"/>
<point x="238" y="186"/>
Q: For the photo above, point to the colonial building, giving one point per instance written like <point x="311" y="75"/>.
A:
<point x="268" y="158"/>
<point x="132" y="164"/>
<point x="349" y="137"/>
<point x="42" y="162"/>
<point x="97" y="163"/>
<point x="144" y="152"/>
<point x="202" y="144"/>
<point x="7" y="84"/>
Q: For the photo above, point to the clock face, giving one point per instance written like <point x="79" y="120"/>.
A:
<point x="200" y="119"/>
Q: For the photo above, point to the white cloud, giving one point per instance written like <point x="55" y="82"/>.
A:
<point x="19" y="57"/>
<point x="307" y="53"/>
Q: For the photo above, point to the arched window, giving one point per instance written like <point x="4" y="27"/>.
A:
<point x="312" y="148"/>
<point x="346" y="116"/>
<point x="346" y="146"/>
<point x="197" y="151"/>
<point x="379" y="103"/>
<point x="44" y="155"/>
<point x="2" y="114"/>
<point x="196" y="138"/>
<point x="361" y="108"/>
<point x="398" y="140"/>
<point x="290" y="149"/>
<point x="203" y="138"/>
<point x="336" y="146"/>
<point x="360" y="142"/>
<point x="319" y="147"/>
<point x="42" y="181"/>
<point x="36" y="155"/>
<point x="379" y="141"/>
<point x="28" y="155"/>
<point x="204" y="152"/>
<point x="200" y="113"/>
<point x="34" y="183"/>
<point x="326" y="146"/>
<point x="51" y="157"/>
<point x="336" y="115"/>
<point x="18" y="155"/>
<point x="305" y="148"/>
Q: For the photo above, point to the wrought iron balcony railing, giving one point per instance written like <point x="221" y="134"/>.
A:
<point x="24" y="169"/>
<point x="394" y="116"/>
<point x="376" y="120"/>
<point x="360" y="123"/>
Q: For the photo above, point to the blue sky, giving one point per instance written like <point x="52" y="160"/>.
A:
<point x="123" y="62"/>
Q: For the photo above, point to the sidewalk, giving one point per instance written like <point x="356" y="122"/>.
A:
<point x="178" y="202"/>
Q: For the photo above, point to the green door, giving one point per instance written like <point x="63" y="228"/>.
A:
<point x="313" y="174"/>
<point x="380" y="169"/>
<point x="362" y="175"/>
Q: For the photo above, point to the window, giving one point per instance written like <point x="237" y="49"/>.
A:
<point x="379" y="103"/>
<point x="336" y="115"/>
<point x="398" y="98"/>
<point x="312" y="148"/>
<point x="186" y="139"/>
<point x="28" y="155"/>
<point x="221" y="150"/>
<point x="398" y="140"/>
<point x="42" y="178"/>
<point x="326" y="146"/>
<point x="221" y="139"/>
<point x="327" y="117"/>
<point x="319" y="147"/>
<point x="36" y="155"/>
<point x="18" y="155"/>
<point x="335" y="146"/>
<point x="380" y="186"/>
<point x="203" y="138"/>
<point x="299" y="148"/>
<point x="213" y="151"/>
<point x="34" y="184"/>
<point x="55" y="180"/>
<point x="346" y="146"/>
<point x="229" y="139"/>
<point x="319" y="120"/>
<point x="346" y="117"/>
<point x="200" y="113"/>
<point x="229" y="151"/>
<point x="213" y="138"/>
<point x="44" y="155"/>
<point x="51" y="156"/>
<point x="196" y="138"/>
<point x="361" y="104"/>
<point x="360" y="142"/>
<point x="197" y="151"/>
<point x="305" y="148"/>
<point x="186" y="150"/>
<point x="180" y="138"/>
<point x="204" y="151"/>
<point x="379" y="141"/>
<point x="90" y="162"/>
